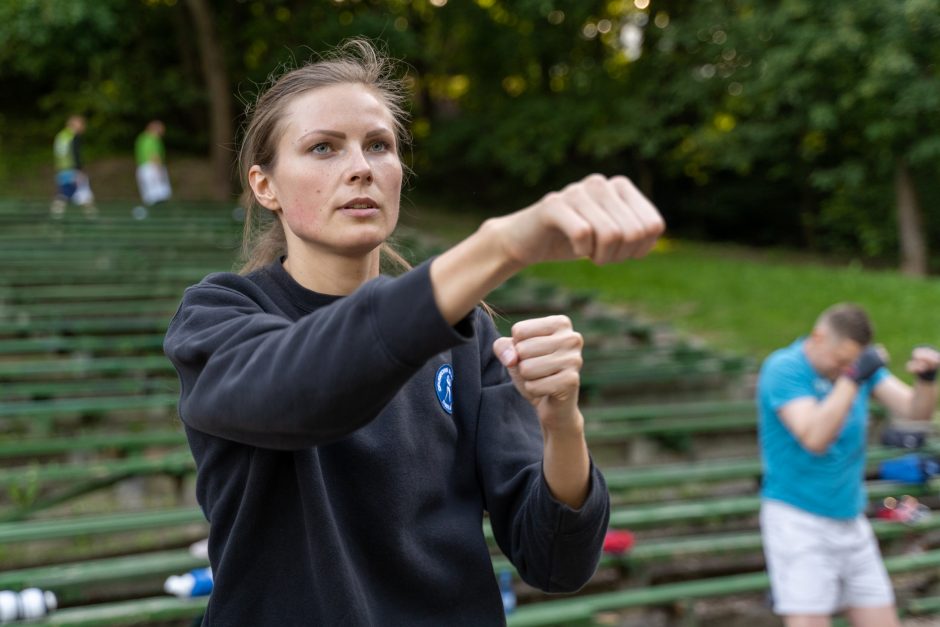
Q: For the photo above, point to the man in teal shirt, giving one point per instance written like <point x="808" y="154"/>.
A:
<point x="813" y="396"/>
<point x="152" y="177"/>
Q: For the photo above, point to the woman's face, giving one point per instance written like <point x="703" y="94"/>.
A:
<point x="336" y="182"/>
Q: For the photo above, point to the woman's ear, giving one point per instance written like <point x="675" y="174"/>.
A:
<point x="263" y="188"/>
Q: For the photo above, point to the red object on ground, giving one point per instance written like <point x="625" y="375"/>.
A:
<point x="907" y="510"/>
<point x="617" y="541"/>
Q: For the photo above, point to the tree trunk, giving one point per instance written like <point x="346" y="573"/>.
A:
<point x="644" y="177"/>
<point x="189" y="60"/>
<point x="221" y="135"/>
<point x="910" y="222"/>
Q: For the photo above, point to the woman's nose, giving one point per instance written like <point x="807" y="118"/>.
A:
<point x="360" y="170"/>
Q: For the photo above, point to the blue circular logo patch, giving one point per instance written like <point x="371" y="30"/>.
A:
<point x="443" y="387"/>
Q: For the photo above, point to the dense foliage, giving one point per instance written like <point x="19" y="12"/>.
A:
<point x="770" y="122"/>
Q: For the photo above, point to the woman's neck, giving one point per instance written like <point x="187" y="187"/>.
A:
<point x="336" y="275"/>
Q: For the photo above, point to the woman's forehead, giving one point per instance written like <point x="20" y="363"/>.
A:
<point x="345" y="104"/>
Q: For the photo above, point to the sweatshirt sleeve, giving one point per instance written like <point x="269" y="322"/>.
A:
<point x="554" y="547"/>
<point x="258" y="378"/>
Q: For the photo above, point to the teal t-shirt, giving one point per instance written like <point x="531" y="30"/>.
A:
<point x="830" y="483"/>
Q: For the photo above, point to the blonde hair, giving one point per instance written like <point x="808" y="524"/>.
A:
<point x="355" y="61"/>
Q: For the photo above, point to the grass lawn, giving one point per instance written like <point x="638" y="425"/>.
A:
<point x="754" y="301"/>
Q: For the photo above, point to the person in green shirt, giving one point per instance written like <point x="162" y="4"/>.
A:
<point x="70" y="179"/>
<point x="152" y="177"/>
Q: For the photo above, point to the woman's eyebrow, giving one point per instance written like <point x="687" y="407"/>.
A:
<point x="335" y="134"/>
<point x="340" y="135"/>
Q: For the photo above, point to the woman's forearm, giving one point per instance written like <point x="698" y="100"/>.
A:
<point x="567" y="466"/>
<point x="462" y="276"/>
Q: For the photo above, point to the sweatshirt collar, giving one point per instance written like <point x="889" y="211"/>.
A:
<point x="304" y="299"/>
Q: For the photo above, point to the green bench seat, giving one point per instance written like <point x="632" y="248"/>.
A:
<point x="69" y="581"/>
<point x="576" y="611"/>
<point x="48" y="409"/>
<point x="138" y="307"/>
<point x="174" y="463"/>
<point x="581" y="609"/>
<point x="54" y="294"/>
<point x="35" y="447"/>
<point x="97" y="344"/>
<point x="41" y="390"/>
<point x="627" y="478"/>
<point x="76" y="326"/>
<point x="100" y="524"/>
<point x="83" y="366"/>
<point x="137" y="612"/>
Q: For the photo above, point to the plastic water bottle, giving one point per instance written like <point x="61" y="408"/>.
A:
<point x="505" y="589"/>
<point x="29" y="603"/>
<point x="195" y="583"/>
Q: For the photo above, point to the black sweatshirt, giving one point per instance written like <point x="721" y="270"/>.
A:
<point x="338" y="487"/>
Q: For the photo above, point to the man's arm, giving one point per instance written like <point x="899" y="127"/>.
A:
<point x="817" y="423"/>
<point x="919" y="401"/>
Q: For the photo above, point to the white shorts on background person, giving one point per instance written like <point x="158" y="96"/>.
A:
<point x="83" y="194"/>
<point x="819" y="565"/>
<point x="153" y="182"/>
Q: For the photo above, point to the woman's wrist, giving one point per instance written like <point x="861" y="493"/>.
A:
<point x="462" y="276"/>
<point x="564" y="430"/>
<point x="497" y="232"/>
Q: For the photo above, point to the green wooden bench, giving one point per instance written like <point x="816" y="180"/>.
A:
<point x="83" y="366"/>
<point x="96" y="344"/>
<point x="575" y="611"/>
<point x="46" y="389"/>
<point x="184" y="275"/>
<point x="83" y="406"/>
<point x="51" y="294"/>
<point x="171" y="463"/>
<point x="42" y="486"/>
<point x="81" y="582"/>
<point x="721" y="510"/>
<point x="690" y="473"/>
<point x="97" y="525"/>
<point x="137" y="307"/>
<point x="69" y="581"/>
<point x="136" y="612"/>
<point x="659" y="550"/>
<point x="36" y="447"/>
<point x="581" y="609"/>
<point x="77" y="326"/>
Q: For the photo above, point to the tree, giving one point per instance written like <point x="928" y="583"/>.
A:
<point x="844" y="95"/>
<point x="221" y="135"/>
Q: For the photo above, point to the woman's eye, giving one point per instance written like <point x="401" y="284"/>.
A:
<point x="320" y="149"/>
<point x="379" y="146"/>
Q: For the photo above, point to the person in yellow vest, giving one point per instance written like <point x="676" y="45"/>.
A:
<point x="70" y="179"/>
<point x="152" y="178"/>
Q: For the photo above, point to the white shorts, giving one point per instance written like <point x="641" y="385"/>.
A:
<point x="819" y="565"/>
<point x="153" y="182"/>
<point x="83" y="194"/>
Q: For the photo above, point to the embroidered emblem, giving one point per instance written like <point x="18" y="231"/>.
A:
<point x="443" y="387"/>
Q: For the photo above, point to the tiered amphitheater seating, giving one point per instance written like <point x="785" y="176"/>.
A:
<point x="96" y="479"/>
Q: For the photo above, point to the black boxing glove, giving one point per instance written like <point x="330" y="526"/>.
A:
<point x="927" y="375"/>
<point x="865" y="366"/>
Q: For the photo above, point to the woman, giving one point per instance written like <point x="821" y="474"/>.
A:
<point x="350" y="429"/>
